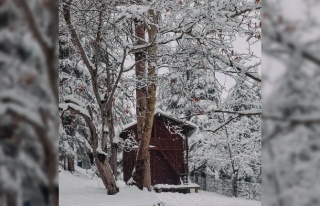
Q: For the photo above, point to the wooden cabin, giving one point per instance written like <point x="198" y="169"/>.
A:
<point x="168" y="149"/>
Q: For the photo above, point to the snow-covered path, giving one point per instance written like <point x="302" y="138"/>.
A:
<point x="79" y="189"/>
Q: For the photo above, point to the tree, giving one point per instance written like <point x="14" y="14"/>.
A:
<point x="104" y="102"/>
<point x="290" y="120"/>
<point x="101" y="57"/>
<point x="232" y="151"/>
<point x="146" y="99"/>
<point x="29" y="97"/>
<point x="179" y="35"/>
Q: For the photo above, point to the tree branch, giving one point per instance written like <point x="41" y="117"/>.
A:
<point x="75" y="38"/>
<point x="223" y="124"/>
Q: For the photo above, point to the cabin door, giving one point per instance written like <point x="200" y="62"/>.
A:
<point x="167" y="162"/>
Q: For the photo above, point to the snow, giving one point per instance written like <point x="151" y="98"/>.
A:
<point x="83" y="69"/>
<point x="65" y="106"/>
<point x="78" y="189"/>
<point x="166" y="186"/>
<point x="160" y="112"/>
<point x="20" y="103"/>
<point x="100" y="151"/>
<point x="136" y="146"/>
<point x="81" y="189"/>
<point x="203" y="198"/>
<point x="21" y="110"/>
<point x="73" y="99"/>
<point x="116" y="139"/>
<point x="129" y="125"/>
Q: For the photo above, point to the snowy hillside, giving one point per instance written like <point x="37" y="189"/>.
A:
<point x="81" y="189"/>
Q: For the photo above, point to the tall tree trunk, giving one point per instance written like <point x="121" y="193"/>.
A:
<point x="151" y="100"/>
<point x="141" y="94"/>
<point x="146" y="102"/>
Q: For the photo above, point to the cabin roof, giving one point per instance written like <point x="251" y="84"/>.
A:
<point x="164" y="114"/>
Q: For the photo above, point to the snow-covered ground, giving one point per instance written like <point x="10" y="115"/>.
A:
<point x="80" y="189"/>
<point x="202" y="198"/>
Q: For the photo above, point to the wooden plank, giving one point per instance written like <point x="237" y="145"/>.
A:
<point x="179" y="188"/>
<point x="168" y="161"/>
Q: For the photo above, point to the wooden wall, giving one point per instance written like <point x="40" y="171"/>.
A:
<point x="166" y="158"/>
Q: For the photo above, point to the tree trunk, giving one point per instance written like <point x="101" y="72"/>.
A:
<point x="114" y="146"/>
<point x="141" y="93"/>
<point x="146" y="101"/>
<point x="113" y="159"/>
<point x="234" y="183"/>
<point x="151" y="100"/>
<point x="70" y="163"/>
<point x="65" y="163"/>
<point x="104" y="169"/>
<point x="106" y="175"/>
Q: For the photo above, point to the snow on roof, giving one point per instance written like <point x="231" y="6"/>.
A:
<point x="129" y="125"/>
<point x="162" y="113"/>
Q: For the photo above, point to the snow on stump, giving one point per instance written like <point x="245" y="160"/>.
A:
<point x="185" y="188"/>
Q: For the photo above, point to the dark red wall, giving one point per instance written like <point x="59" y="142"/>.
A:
<point x="167" y="159"/>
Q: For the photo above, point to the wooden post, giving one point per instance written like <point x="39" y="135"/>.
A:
<point x="159" y="190"/>
<point x="196" y="189"/>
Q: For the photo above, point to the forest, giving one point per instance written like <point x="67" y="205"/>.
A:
<point x="75" y="73"/>
<point x="197" y="61"/>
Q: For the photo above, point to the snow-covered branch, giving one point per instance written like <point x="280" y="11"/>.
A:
<point x="75" y="107"/>
<point x="223" y="124"/>
<point x="174" y="129"/>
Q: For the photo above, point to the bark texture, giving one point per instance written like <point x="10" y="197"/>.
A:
<point x="141" y="102"/>
<point x="146" y="101"/>
<point x="104" y="169"/>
